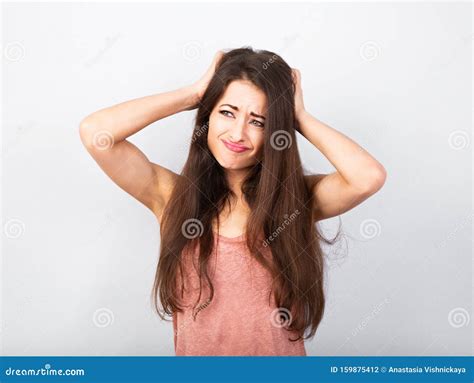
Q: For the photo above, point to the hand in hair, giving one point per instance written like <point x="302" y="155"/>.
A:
<point x="299" y="105"/>
<point x="200" y="86"/>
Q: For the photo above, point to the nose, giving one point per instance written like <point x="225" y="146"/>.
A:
<point x="237" y="131"/>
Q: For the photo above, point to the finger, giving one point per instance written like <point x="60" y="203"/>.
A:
<point x="293" y="74"/>
<point x="298" y="76"/>
<point x="218" y="56"/>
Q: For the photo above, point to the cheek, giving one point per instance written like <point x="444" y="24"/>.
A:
<point x="258" y="142"/>
<point x="212" y="138"/>
<point x="212" y="127"/>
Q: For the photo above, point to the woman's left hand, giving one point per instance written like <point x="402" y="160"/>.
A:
<point x="299" y="105"/>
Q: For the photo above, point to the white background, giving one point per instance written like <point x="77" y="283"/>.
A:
<point x="79" y="254"/>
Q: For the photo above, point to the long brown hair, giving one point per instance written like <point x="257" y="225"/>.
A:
<point x="274" y="188"/>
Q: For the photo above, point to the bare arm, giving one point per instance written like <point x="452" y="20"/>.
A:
<point x="358" y="175"/>
<point x="129" y="117"/>
<point x="104" y="134"/>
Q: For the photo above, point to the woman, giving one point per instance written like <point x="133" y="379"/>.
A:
<point x="240" y="267"/>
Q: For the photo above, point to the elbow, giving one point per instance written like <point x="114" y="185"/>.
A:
<point x="87" y="129"/>
<point x="377" y="179"/>
<point x="372" y="181"/>
<point x="84" y="132"/>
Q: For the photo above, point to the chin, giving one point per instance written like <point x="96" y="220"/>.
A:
<point x="230" y="166"/>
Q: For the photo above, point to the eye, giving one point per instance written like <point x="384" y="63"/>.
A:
<point x="259" y="123"/>
<point x="225" y="111"/>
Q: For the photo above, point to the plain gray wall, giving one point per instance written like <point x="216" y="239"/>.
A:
<point x="79" y="254"/>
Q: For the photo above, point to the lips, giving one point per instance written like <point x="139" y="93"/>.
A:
<point x="235" y="148"/>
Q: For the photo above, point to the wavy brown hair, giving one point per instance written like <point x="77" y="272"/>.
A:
<point x="274" y="189"/>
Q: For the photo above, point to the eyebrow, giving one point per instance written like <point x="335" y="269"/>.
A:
<point x="251" y="113"/>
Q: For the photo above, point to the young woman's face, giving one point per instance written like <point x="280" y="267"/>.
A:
<point x="236" y="125"/>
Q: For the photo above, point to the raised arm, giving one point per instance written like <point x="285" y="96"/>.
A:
<point x="358" y="175"/>
<point x="104" y="134"/>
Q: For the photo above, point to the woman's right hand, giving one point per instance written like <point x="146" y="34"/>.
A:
<point x="200" y="86"/>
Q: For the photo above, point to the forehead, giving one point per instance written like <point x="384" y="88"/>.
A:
<point x="244" y="94"/>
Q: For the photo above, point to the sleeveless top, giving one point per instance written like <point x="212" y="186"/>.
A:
<point x="240" y="320"/>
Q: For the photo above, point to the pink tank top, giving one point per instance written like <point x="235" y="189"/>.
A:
<point x="239" y="320"/>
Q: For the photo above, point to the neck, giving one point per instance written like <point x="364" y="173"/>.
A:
<point x="235" y="180"/>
